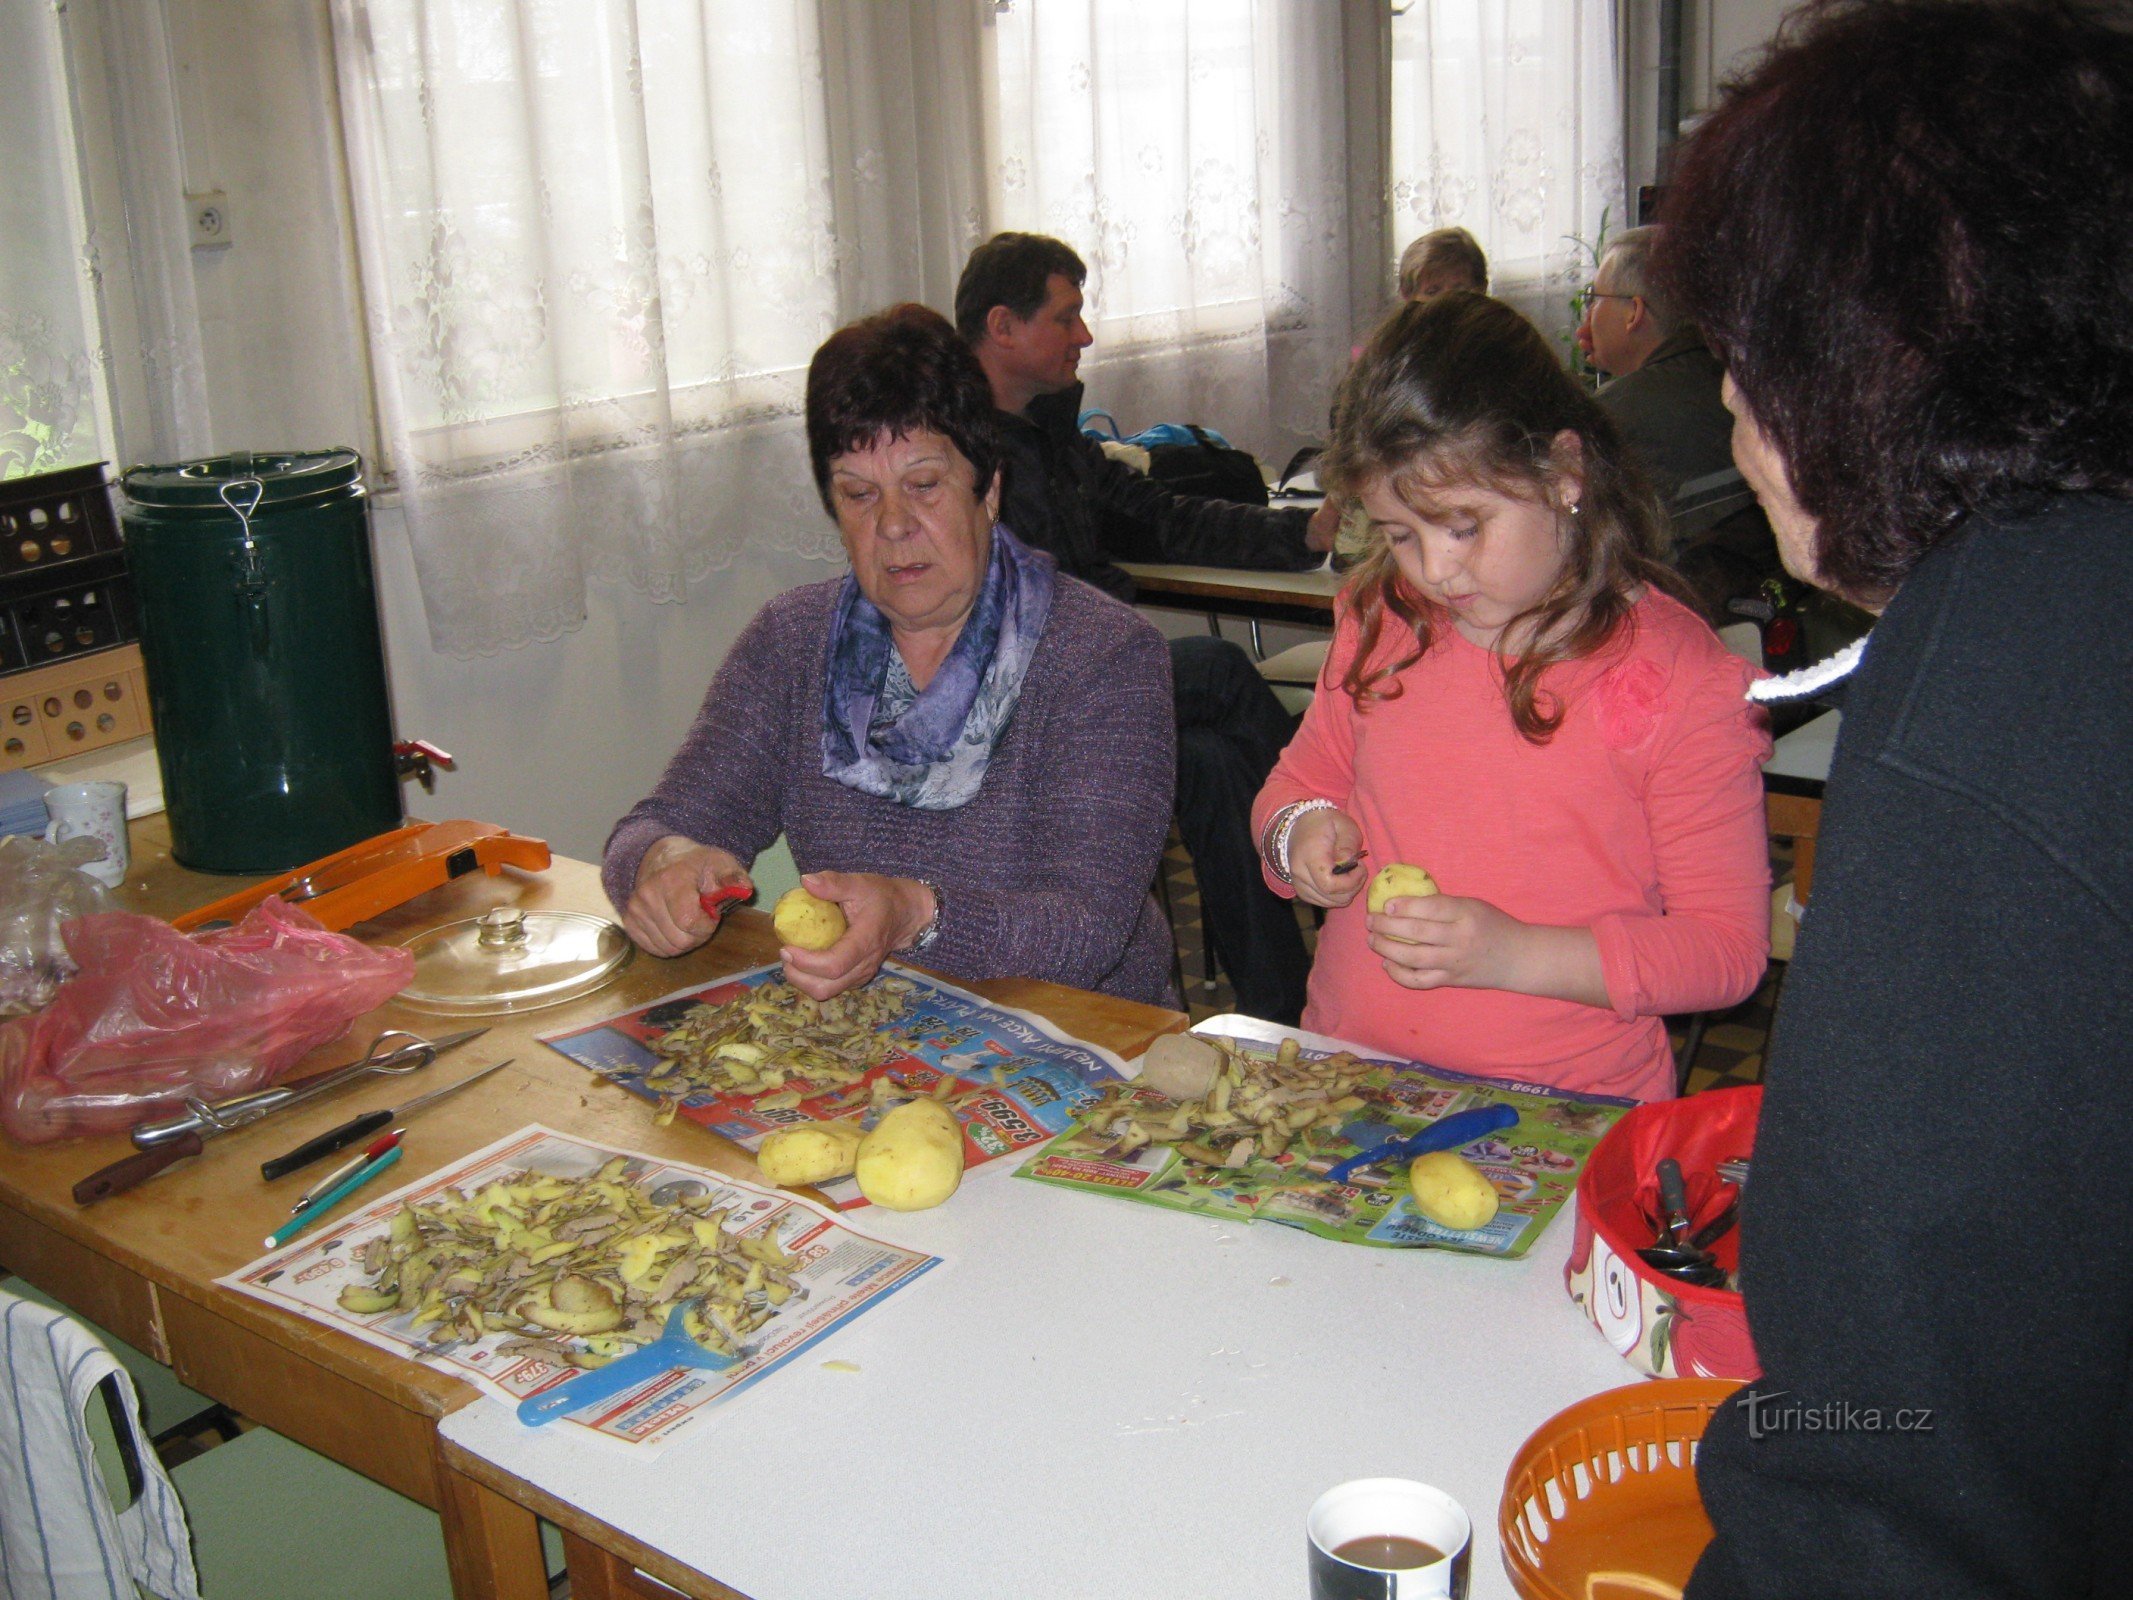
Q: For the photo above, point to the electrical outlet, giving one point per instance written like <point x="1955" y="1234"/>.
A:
<point x="210" y="212"/>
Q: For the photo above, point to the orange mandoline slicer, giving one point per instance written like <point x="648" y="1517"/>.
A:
<point x="358" y="883"/>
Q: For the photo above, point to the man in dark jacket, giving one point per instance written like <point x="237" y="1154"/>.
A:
<point x="1019" y="303"/>
<point x="1663" y="395"/>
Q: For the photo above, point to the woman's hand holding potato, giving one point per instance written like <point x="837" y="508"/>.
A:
<point x="665" y="915"/>
<point x="881" y="915"/>
<point x="1320" y="841"/>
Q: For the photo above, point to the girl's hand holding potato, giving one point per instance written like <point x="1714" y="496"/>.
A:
<point x="1451" y="941"/>
<point x="881" y="915"/>
<point x="1320" y="841"/>
<point x="665" y="915"/>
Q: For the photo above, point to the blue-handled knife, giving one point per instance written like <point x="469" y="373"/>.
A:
<point x="1447" y="1133"/>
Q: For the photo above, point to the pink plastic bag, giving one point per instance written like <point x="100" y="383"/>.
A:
<point x="155" y="1015"/>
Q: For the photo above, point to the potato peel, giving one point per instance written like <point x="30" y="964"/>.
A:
<point x="580" y="1270"/>
<point x="769" y="1036"/>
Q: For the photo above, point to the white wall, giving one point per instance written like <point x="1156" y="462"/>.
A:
<point x="555" y="739"/>
<point x="1718" y="36"/>
<point x="1722" y="35"/>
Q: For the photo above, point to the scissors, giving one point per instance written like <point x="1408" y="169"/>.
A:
<point x="161" y="1144"/>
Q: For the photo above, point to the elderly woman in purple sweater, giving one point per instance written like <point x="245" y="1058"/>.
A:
<point x="970" y="753"/>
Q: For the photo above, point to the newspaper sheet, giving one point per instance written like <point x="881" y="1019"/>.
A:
<point x="1533" y="1165"/>
<point x="1011" y="1078"/>
<point x="844" y="1273"/>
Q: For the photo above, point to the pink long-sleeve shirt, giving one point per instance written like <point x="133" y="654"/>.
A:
<point x="1642" y="819"/>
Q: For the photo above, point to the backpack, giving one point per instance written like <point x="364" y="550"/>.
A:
<point x="1188" y="459"/>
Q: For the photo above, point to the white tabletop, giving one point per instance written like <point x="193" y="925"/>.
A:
<point x="1098" y="1398"/>
<point x="1805" y="752"/>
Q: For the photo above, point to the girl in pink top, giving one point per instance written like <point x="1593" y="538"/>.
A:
<point x="1516" y="702"/>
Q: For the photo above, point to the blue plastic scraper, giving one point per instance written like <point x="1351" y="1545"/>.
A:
<point x="673" y="1348"/>
<point x="1447" y="1133"/>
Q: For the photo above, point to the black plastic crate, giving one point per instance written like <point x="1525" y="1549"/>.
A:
<point x="74" y="620"/>
<point x="55" y="517"/>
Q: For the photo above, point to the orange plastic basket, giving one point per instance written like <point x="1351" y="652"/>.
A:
<point x="1601" y="1504"/>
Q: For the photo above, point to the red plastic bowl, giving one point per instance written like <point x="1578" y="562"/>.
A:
<point x="1661" y="1325"/>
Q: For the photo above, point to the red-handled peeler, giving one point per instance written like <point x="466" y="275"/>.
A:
<point x="715" y="901"/>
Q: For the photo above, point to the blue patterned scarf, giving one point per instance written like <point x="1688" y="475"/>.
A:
<point x="929" y="749"/>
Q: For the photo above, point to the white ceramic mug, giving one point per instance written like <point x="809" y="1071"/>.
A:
<point x="1373" y="1511"/>
<point x="92" y="811"/>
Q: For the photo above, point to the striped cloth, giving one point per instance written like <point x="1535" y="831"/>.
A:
<point x="60" y="1537"/>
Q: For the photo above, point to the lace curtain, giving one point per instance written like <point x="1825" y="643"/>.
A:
<point x="99" y="330"/>
<point x="1194" y="153"/>
<point x="597" y="251"/>
<point x="600" y="239"/>
<point x="1506" y="121"/>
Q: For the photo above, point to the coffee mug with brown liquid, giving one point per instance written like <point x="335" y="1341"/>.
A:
<point x="1388" y="1539"/>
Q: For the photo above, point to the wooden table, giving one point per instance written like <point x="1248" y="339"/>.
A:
<point x="144" y="1264"/>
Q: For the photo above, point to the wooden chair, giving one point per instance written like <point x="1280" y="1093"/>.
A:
<point x="1293" y="673"/>
<point x="1792" y="810"/>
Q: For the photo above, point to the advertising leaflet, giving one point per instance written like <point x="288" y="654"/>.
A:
<point x="842" y="1273"/>
<point x="1012" y="1080"/>
<point x="1533" y="1164"/>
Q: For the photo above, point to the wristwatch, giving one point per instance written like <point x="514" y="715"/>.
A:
<point x="932" y="930"/>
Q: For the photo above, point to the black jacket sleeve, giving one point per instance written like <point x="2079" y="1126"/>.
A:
<point x="1933" y="1248"/>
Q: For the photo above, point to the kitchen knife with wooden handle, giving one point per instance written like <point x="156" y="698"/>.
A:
<point x="139" y="1167"/>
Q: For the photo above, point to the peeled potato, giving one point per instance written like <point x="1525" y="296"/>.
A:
<point x="1451" y="1191"/>
<point x="806" y="922"/>
<point x="1398" y="881"/>
<point x="813" y="1153"/>
<point x="1180" y="1066"/>
<point x="914" y="1157"/>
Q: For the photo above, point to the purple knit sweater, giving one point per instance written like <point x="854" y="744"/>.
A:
<point x="1045" y="874"/>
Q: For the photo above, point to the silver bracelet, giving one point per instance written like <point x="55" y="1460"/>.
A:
<point x="932" y="930"/>
<point x="1279" y="830"/>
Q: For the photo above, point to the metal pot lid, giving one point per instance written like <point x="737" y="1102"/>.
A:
<point x="512" y="960"/>
<point x="283" y="476"/>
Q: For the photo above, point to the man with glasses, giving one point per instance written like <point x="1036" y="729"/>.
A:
<point x="1663" y="395"/>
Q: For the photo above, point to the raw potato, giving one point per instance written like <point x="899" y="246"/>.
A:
<point x="807" y="923"/>
<point x="914" y="1157"/>
<point x="1451" y="1191"/>
<point x="1180" y="1066"/>
<point x="1397" y="881"/>
<point x="815" y="1153"/>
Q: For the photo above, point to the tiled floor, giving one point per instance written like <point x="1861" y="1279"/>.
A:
<point x="1733" y="1043"/>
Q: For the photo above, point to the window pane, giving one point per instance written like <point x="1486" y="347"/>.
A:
<point x="1135" y="131"/>
<point x="50" y="379"/>
<point x="1504" y="123"/>
<point x="598" y="205"/>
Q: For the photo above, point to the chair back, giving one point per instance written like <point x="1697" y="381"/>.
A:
<point x="61" y="1535"/>
<point x="1798" y="818"/>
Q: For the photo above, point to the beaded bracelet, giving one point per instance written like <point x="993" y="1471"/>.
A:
<point x="1278" y="831"/>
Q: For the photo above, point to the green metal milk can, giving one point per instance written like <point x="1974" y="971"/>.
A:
<point x="266" y="675"/>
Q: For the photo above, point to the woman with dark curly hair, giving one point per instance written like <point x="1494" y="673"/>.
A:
<point x="1909" y="234"/>
<point x="968" y="753"/>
